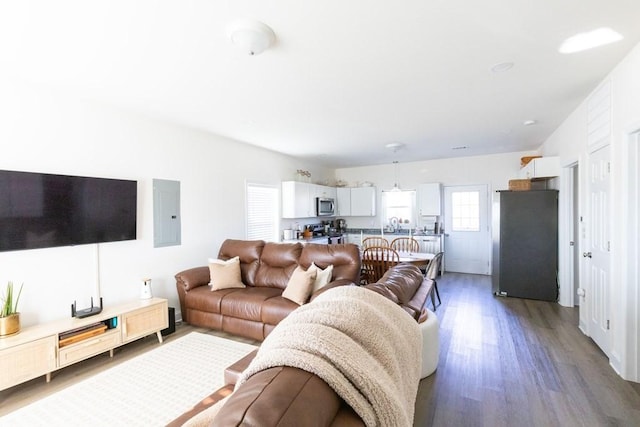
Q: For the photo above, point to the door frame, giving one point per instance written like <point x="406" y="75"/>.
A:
<point x="626" y="360"/>
<point x="488" y="213"/>
<point x="567" y="222"/>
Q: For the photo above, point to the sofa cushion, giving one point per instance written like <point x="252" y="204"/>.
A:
<point x="300" y="285"/>
<point x="275" y="309"/>
<point x="345" y="259"/>
<point x="277" y="263"/>
<point x="323" y="277"/>
<point x="247" y="303"/>
<point x="202" y="299"/>
<point x="249" y="252"/>
<point x="225" y="274"/>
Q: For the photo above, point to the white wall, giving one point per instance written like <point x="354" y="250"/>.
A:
<point x="45" y="131"/>
<point x="569" y="141"/>
<point x="495" y="170"/>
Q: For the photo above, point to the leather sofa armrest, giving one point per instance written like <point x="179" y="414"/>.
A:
<point x="334" y="284"/>
<point x="192" y="278"/>
<point x="285" y="396"/>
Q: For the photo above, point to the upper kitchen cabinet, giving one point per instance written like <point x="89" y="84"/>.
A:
<point x="299" y="198"/>
<point x="430" y="199"/>
<point x="343" y="201"/>
<point x="324" y="191"/>
<point x="541" y="167"/>
<point x="296" y="200"/>
<point x="363" y="201"/>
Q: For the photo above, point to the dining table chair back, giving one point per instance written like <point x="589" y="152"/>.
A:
<point x="405" y="244"/>
<point x="376" y="260"/>
<point x="374" y="241"/>
<point x="432" y="272"/>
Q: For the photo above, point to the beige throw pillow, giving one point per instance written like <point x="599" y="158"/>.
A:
<point x="300" y="284"/>
<point x="225" y="274"/>
<point x="323" y="277"/>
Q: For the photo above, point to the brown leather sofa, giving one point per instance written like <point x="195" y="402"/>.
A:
<point x="254" y="311"/>
<point x="286" y="396"/>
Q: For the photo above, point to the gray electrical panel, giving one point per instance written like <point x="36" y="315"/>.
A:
<point x="166" y="213"/>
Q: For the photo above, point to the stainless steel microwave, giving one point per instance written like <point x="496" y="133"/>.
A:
<point x="325" y="206"/>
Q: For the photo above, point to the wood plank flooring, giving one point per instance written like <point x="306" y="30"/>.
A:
<point x="503" y="362"/>
<point x="517" y="362"/>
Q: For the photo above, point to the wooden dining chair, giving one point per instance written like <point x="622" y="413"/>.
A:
<point x="376" y="260"/>
<point x="374" y="241"/>
<point x="433" y="270"/>
<point x="405" y="244"/>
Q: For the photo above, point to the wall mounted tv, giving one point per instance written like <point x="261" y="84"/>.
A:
<point x="39" y="210"/>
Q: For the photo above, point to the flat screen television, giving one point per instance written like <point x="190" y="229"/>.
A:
<point x="39" y="210"/>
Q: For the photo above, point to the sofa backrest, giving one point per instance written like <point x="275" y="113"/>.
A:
<point x="272" y="264"/>
<point x="399" y="283"/>
<point x="249" y="252"/>
<point x="277" y="263"/>
<point x="345" y="259"/>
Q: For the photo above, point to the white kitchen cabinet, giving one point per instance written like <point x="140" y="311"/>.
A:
<point x="324" y="191"/>
<point x="363" y="201"/>
<point x="299" y="198"/>
<point x="296" y="200"/>
<point x="343" y="201"/>
<point x="541" y="167"/>
<point x="430" y="199"/>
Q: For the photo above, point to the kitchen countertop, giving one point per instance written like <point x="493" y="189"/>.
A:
<point x="317" y="239"/>
<point x="404" y="232"/>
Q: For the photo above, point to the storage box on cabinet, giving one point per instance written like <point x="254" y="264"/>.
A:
<point x="542" y="167"/>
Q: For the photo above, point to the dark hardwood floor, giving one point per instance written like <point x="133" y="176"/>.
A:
<point x="503" y="362"/>
<point x="517" y="362"/>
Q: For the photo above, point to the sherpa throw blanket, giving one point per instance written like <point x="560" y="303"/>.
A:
<point x="363" y="345"/>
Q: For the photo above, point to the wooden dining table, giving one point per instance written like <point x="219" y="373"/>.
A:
<point x="416" y="258"/>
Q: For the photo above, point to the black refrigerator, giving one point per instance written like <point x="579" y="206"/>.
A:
<point x="525" y="244"/>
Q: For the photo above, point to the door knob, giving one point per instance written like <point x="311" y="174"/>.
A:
<point x="586" y="254"/>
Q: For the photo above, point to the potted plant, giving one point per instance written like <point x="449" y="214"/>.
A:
<point x="9" y="316"/>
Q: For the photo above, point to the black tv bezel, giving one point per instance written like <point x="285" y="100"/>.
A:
<point x="72" y="237"/>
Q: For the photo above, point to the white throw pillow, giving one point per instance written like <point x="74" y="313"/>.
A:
<point x="299" y="286"/>
<point x="323" y="277"/>
<point x="225" y="274"/>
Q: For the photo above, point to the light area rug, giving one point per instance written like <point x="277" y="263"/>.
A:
<point x="149" y="390"/>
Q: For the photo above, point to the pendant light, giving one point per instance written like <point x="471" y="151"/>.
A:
<point x="396" y="187"/>
<point x="395" y="146"/>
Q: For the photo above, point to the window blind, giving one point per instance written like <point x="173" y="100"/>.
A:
<point x="262" y="212"/>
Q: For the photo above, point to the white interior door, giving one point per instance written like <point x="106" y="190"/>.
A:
<point x="467" y="236"/>
<point x="596" y="256"/>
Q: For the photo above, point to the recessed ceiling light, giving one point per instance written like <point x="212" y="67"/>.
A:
<point x="529" y="122"/>
<point x="502" y="67"/>
<point x="589" y="40"/>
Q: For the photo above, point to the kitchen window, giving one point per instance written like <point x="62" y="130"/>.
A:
<point x="399" y="208"/>
<point x="262" y="212"/>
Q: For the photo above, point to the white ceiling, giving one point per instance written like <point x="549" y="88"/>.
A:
<point x="344" y="78"/>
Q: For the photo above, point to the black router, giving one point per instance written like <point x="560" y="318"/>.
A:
<point x="87" y="311"/>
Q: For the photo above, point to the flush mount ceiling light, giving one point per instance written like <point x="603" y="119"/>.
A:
<point x="502" y="67"/>
<point x="394" y="146"/>
<point x="252" y="37"/>
<point x="529" y="122"/>
<point x="589" y="40"/>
